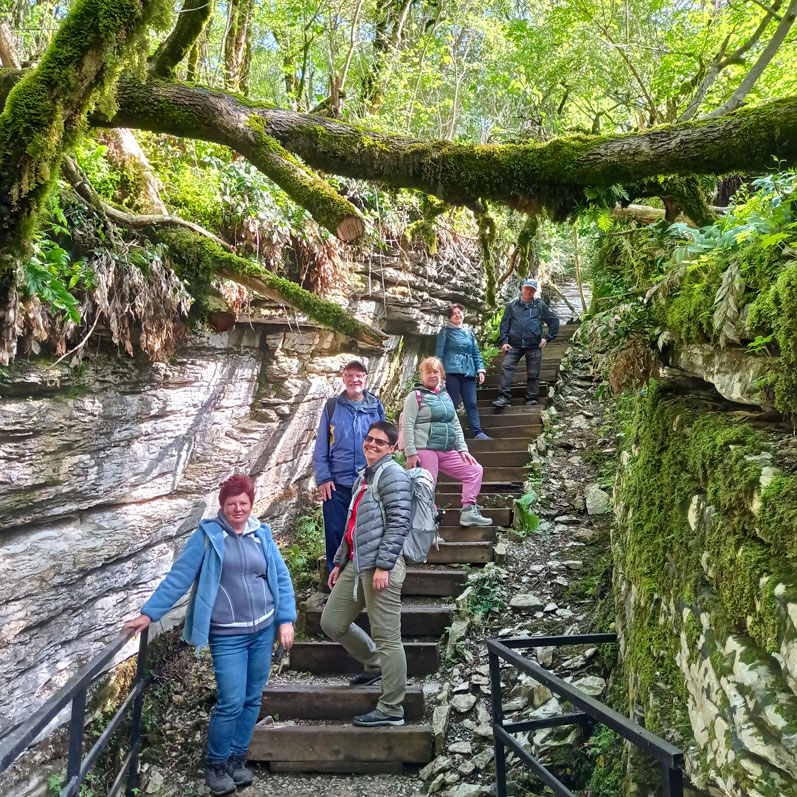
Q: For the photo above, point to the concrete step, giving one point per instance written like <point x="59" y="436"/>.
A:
<point x="416" y="621"/>
<point x="332" y="702"/>
<point x="425" y="580"/>
<point x="318" y="747"/>
<point x="329" y="658"/>
<point x="467" y="533"/>
<point x="472" y="553"/>
<point x="499" y="516"/>
<point x="492" y="474"/>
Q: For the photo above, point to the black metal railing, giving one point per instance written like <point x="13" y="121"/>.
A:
<point x="17" y="741"/>
<point x="590" y="710"/>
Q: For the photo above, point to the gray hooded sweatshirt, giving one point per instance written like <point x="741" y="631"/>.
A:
<point x="244" y="603"/>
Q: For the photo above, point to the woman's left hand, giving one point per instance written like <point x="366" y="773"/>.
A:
<point x="481" y="377"/>
<point x="285" y="635"/>
<point x="467" y="457"/>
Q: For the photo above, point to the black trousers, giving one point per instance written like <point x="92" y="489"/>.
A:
<point x="533" y="361"/>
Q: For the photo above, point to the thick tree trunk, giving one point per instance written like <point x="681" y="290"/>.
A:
<point x="525" y="176"/>
<point x="46" y="109"/>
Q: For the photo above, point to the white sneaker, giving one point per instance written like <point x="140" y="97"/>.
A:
<point x="470" y="516"/>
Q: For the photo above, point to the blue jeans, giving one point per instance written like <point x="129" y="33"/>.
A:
<point x="465" y="386"/>
<point x="335" y="511"/>
<point x="241" y="663"/>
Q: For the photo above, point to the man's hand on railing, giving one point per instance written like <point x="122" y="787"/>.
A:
<point x="137" y="624"/>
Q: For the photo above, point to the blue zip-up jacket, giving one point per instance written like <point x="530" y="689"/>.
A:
<point x="200" y="563"/>
<point x="338" y="456"/>
<point x="521" y="324"/>
<point x="457" y="349"/>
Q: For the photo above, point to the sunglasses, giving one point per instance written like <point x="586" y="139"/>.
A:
<point x="375" y="441"/>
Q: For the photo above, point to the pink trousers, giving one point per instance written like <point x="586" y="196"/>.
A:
<point x="452" y="464"/>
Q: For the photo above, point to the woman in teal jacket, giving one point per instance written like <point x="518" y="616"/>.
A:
<point x="241" y="593"/>
<point x="457" y="349"/>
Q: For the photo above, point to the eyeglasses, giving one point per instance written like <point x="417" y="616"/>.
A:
<point x="375" y="441"/>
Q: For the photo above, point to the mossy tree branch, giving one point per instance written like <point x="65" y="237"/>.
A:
<point x="536" y="175"/>
<point x="175" y="47"/>
<point x="47" y="108"/>
<point x="198" y="260"/>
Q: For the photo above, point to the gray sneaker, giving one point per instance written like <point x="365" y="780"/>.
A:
<point x="376" y="718"/>
<point x="470" y="516"/>
<point x="236" y="766"/>
<point x="502" y="401"/>
<point x="218" y="779"/>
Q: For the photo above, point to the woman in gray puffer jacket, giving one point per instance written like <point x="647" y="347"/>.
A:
<point x="369" y="572"/>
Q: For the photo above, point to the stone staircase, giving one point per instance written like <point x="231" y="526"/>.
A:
<point x="319" y="736"/>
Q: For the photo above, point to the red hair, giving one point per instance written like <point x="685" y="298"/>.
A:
<point x="236" y="485"/>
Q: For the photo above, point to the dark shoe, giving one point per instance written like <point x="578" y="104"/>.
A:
<point x="366" y="678"/>
<point x="238" y="771"/>
<point x="502" y="401"/>
<point x="376" y="718"/>
<point x="531" y="402"/>
<point x="218" y="778"/>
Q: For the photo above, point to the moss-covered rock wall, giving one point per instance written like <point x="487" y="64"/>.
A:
<point x="705" y="549"/>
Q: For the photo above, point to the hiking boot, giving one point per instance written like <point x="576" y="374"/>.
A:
<point x="470" y="516"/>
<point x="502" y="401"/>
<point x="481" y="436"/>
<point x="531" y="402"/>
<point x="238" y="772"/>
<point x="376" y="718"/>
<point x="366" y="678"/>
<point x="218" y="779"/>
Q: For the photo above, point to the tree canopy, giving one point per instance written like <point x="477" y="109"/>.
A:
<point x="546" y="107"/>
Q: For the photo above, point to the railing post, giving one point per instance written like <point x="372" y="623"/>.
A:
<point x="76" y="726"/>
<point x="135" y="722"/>
<point x="498" y="719"/>
<point x="672" y="779"/>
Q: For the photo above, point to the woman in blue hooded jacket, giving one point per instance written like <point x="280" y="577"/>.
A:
<point x="462" y="362"/>
<point x="242" y="598"/>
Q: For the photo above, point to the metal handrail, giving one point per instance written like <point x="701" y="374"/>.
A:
<point x="14" y="743"/>
<point x="670" y="757"/>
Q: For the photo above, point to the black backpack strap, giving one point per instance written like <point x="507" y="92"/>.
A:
<point x="331" y="404"/>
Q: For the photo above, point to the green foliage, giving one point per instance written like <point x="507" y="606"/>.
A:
<point x="308" y="545"/>
<point x="605" y="749"/>
<point x="91" y="157"/>
<point x="526" y="521"/>
<point x="486" y="592"/>
<point x="51" y="274"/>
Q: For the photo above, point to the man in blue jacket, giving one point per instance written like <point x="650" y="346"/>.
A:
<point x="521" y="335"/>
<point x="338" y="455"/>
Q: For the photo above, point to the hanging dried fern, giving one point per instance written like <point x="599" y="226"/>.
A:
<point x="726" y="304"/>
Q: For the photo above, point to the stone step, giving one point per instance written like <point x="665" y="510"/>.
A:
<point x="311" y="746"/>
<point x="489" y="459"/>
<point x="332" y="702"/>
<point x="499" y="516"/>
<point x="416" y="621"/>
<point x="466" y="533"/>
<point x="487" y="394"/>
<point x="492" y="474"/>
<point x="422" y="580"/>
<point x="474" y="553"/>
<point x="330" y="658"/>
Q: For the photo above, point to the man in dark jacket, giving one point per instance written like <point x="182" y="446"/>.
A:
<point x="369" y="572"/>
<point x="521" y="334"/>
<point x="338" y="455"/>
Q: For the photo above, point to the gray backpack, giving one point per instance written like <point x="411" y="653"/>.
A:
<point x="424" y="517"/>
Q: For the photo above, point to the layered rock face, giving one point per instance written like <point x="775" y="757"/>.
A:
<point x="706" y="589"/>
<point x="106" y="470"/>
